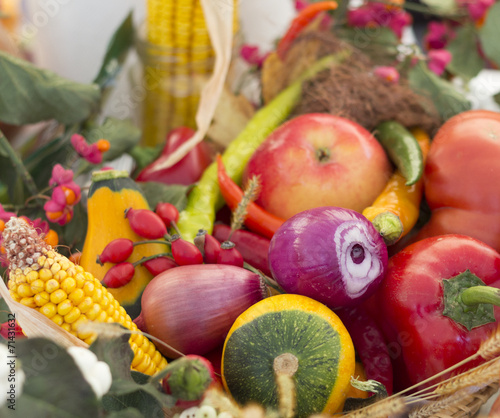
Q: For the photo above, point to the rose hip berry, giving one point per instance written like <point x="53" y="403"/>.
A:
<point x="168" y="213"/>
<point x="146" y="223"/>
<point x="119" y="275"/>
<point x="117" y="251"/>
<point x="158" y="265"/>
<point x="229" y="254"/>
<point x="208" y="245"/>
<point x="185" y="252"/>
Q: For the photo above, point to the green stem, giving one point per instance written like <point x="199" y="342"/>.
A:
<point x="18" y="164"/>
<point x="151" y="257"/>
<point x="151" y="241"/>
<point x="481" y="294"/>
<point x="267" y="280"/>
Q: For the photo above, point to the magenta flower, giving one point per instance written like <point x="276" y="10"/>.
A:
<point x="88" y="151"/>
<point x="252" y="55"/>
<point x="300" y="4"/>
<point x="438" y="35"/>
<point x="438" y="60"/>
<point x="387" y="73"/>
<point x="375" y="14"/>
<point x="4" y="215"/>
<point x="477" y="8"/>
<point x="66" y="194"/>
<point x="60" y="175"/>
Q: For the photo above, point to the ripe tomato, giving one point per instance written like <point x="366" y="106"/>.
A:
<point x="462" y="178"/>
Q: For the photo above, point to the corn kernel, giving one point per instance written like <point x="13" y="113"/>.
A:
<point x="37" y="286"/>
<point x="64" y="263"/>
<point x="68" y="285"/>
<point x="79" y="269"/>
<point x="89" y="276"/>
<point x="76" y="296"/>
<point x="49" y="309"/>
<point x="89" y="288"/>
<point x="90" y="340"/>
<point x="104" y="302"/>
<point x="28" y="302"/>
<point x="14" y="296"/>
<point x="42" y="298"/>
<point x="97" y="296"/>
<point x="111" y="310"/>
<point x="144" y="364"/>
<point x="58" y="296"/>
<point x="45" y="274"/>
<point x="139" y="356"/>
<point x="80" y="280"/>
<point x="58" y="319"/>
<point x="32" y="276"/>
<point x="55" y="268"/>
<point x="24" y="290"/>
<point x="93" y="312"/>
<point x="51" y="285"/>
<point x="60" y="275"/>
<point x="85" y="304"/>
<point x="64" y="307"/>
<point x="81" y="320"/>
<point x="71" y="270"/>
<point x="66" y="327"/>
<point x="72" y="316"/>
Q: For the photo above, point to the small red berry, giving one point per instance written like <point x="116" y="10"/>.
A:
<point x="119" y="275"/>
<point x="158" y="265"/>
<point x="146" y="223"/>
<point x="117" y="251"/>
<point x="185" y="252"/>
<point x="230" y="255"/>
<point x="167" y="212"/>
<point x="208" y="245"/>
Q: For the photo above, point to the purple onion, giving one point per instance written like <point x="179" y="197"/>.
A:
<point x="333" y="255"/>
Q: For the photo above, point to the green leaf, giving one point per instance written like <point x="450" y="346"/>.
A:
<point x="126" y="413"/>
<point x="144" y="156"/>
<point x="116" y="52"/>
<point x="443" y="94"/>
<point x="158" y="192"/>
<point x="13" y="182"/>
<point x="54" y="384"/>
<point x="116" y="352"/>
<point x="488" y="34"/>
<point x="30" y="94"/>
<point x="4" y="311"/>
<point x="496" y="98"/>
<point x="442" y="6"/>
<point x="466" y="61"/>
<point x="122" y="135"/>
<point x="74" y="232"/>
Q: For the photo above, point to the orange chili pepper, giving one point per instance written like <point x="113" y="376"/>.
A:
<point x="305" y="16"/>
<point x="395" y="211"/>
<point x="258" y="220"/>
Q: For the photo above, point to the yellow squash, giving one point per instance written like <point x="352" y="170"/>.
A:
<point x="110" y="194"/>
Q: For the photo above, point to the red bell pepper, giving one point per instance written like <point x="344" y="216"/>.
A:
<point x="412" y="307"/>
<point x="461" y="178"/>
<point x="186" y="171"/>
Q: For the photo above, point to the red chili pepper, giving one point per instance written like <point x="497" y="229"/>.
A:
<point x="257" y="219"/>
<point x="305" y="16"/>
<point x="253" y="247"/>
<point x="411" y="306"/>
<point x="370" y="345"/>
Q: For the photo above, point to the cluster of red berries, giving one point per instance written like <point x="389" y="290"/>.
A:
<point x="153" y="226"/>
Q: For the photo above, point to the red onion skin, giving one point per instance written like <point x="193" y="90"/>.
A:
<point x="311" y="255"/>
<point x="191" y="308"/>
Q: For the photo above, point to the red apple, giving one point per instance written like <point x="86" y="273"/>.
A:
<point x="317" y="160"/>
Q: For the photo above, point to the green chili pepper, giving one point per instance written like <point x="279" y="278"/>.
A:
<point x="205" y="198"/>
<point x="402" y="148"/>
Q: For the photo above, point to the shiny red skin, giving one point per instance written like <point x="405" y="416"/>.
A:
<point x="167" y="212"/>
<point x="119" y="275"/>
<point x="116" y="251"/>
<point x="408" y="306"/>
<point x="185" y="253"/>
<point x="186" y="171"/>
<point x="462" y="175"/>
<point x="229" y="254"/>
<point x="158" y="265"/>
<point x="146" y="223"/>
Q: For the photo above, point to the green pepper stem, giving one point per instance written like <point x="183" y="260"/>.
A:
<point x="481" y="294"/>
<point x="389" y="226"/>
<point x="153" y="241"/>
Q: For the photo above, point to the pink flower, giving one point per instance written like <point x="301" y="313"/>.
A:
<point x="300" y="4"/>
<point x="60" y="175"/>
<point x="5" y="216"/>
<point x="375" y="14"/>
<point x="387" y="73"/>
<point x="88" y="151"/>
<point x="438" y="60"/>
<point x="476" y="8"/>
<point x="438" y="35"/>
<point x="251" y="54"/>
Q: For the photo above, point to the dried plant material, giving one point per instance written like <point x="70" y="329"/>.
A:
<point x="478" y="377"/>
<point x="381" y="409"/>
<point x="34" y="324"/>
<point x="222" y="402"/>
<point x="231" y="116"/>
<point x="439" y="404"/>
<point x="249" y="195"/>
<point x="287" y="395"/>
<point x="220" y="28"/>
<point x="490" y="348"/>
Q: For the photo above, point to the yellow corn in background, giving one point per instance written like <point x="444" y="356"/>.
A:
<point x="176" y="54"/>
<point x="42" y="279"/>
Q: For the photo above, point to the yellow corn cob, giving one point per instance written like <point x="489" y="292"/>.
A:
<point x="178" y="47"/>
<point x="47" y="281"/>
